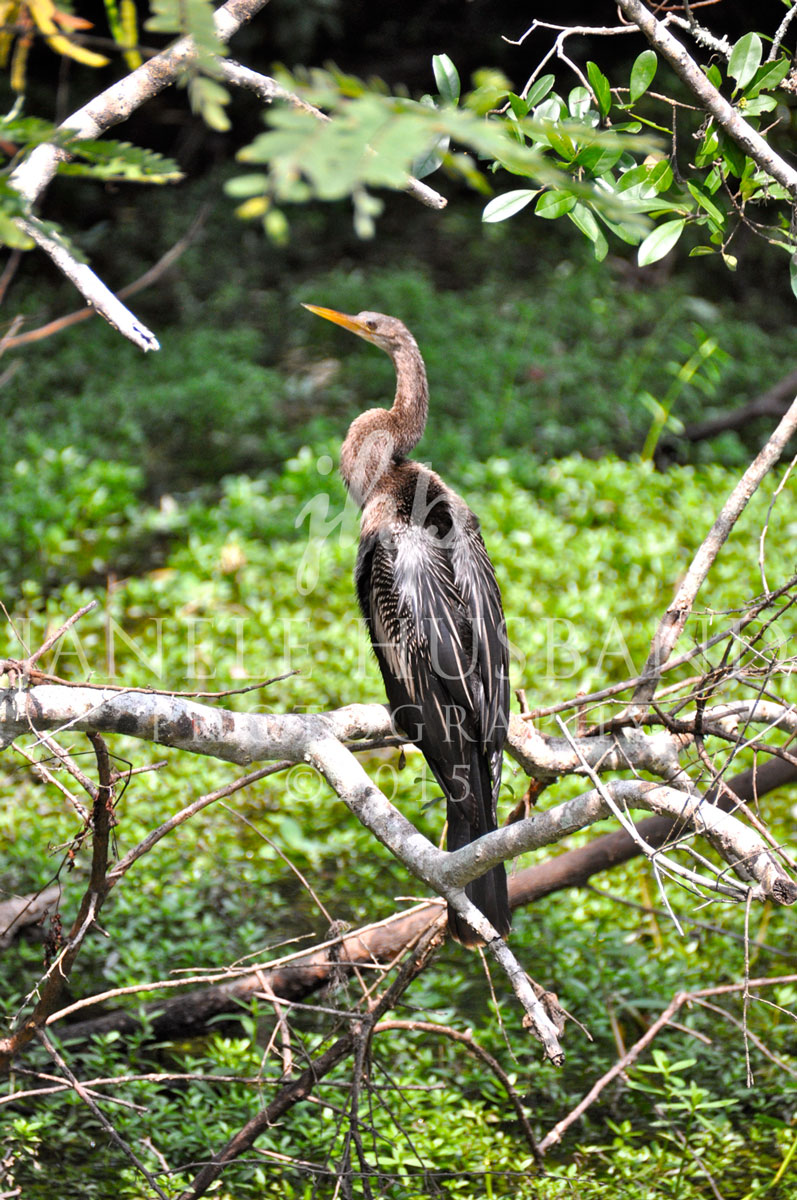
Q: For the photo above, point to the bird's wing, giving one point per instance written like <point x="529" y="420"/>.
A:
<point x="476" y="580"/>
<point x="429" y="595"/>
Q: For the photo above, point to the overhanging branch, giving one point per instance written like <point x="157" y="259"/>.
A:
<point x="723" y="112"/>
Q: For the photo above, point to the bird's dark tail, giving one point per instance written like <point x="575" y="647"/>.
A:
<point x="468" y="820"/>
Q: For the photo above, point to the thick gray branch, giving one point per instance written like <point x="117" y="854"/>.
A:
<point x="739" y="846"/>
<point x="546" y="758"/>
<point x="244" y="738"/>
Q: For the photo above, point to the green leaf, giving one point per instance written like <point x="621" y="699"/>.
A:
<point x="503" y="207"/>
<point x="745" y="59"/>
<point x="735" y="158"/>
<point x="561" y="142"/>
<point x="585" y="220"/>
<point x="706" y="203"/>
<point x="539" y="90"/>
<point x="552" y="109"/>
<point x="709" y="147"/>
<point x="756" y="105"/>
<point x="601" y="87"/>
<point x="12" y="235"/>
<point x="241" y="187"/>
<point x="643" y="73"/>
<point x="578" y="102"/>
<point x="446" y="76"/>
<point x="519" y="106"/>
<point x="714" y="75"/>
<point x="191" y="17"/>
<point x="768" y="76"/>
<point x="208" y="98"/>
<point x="554" y="204"/>
<point x="660" y="241"/>
<point x="112" y="160"/>
<point x="598" y="159"/>
<point x="793" y="273"/>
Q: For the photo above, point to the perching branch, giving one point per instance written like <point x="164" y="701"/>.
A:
<point x="245" y="738"/>
<point x="318" y="740"/>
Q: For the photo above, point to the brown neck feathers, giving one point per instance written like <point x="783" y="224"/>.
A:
<point x="381" y="436"/>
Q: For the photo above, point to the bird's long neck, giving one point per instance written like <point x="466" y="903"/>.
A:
<point x="411" y="403"/>
<point x="380" y="437"/>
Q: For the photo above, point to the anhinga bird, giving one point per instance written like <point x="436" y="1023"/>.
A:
<point x="429" y="595"/>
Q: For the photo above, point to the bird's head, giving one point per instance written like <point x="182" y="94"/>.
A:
<point x="386" y="332"/>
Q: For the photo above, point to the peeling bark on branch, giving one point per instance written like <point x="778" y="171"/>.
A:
<point x="317" y="739"/>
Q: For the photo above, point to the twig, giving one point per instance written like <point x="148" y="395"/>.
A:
<point x="15" y="341"/>
<point x="110" y="107"/>
<point x="184" y="814"/>
<point x="473" y="1048"/>
<point x="281" y="1026"/>
<point x="762" y="539"/>
<point x="50" y="641"/>
<point x="99" y="1114"/>
<point x="300" y="1088"/>
<point x="749" y="615"/>
<point x="678" y="1001"/>
<point x="672" y="623"/>
<point x="99" y="297"/>
<point x="781" y="32"/>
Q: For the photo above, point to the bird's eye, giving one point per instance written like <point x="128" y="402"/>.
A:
<point x="371" y="325"/>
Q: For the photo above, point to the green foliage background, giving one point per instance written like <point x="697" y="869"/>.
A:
<point x="205" y="514"/>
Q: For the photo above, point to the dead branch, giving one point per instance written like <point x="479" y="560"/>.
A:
<point x="665" y="1018"/>
<point x="300" y="1088"/>
<point x="672" y="623"/>
<point x="15" y="341"/>
<point x="50" y="988"/>
<point x="19" y="912"/>
<point x="89" y="1100"/>
<point x="473" y="1048"/>
<point x="299" y="978"/>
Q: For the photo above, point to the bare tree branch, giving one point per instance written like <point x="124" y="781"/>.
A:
<point x="672" y="623"/>
<point x="665" y="1018"/>
<point x="15" y="340"/>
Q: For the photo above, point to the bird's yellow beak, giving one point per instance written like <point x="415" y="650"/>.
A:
<point x="331" y="314"/>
